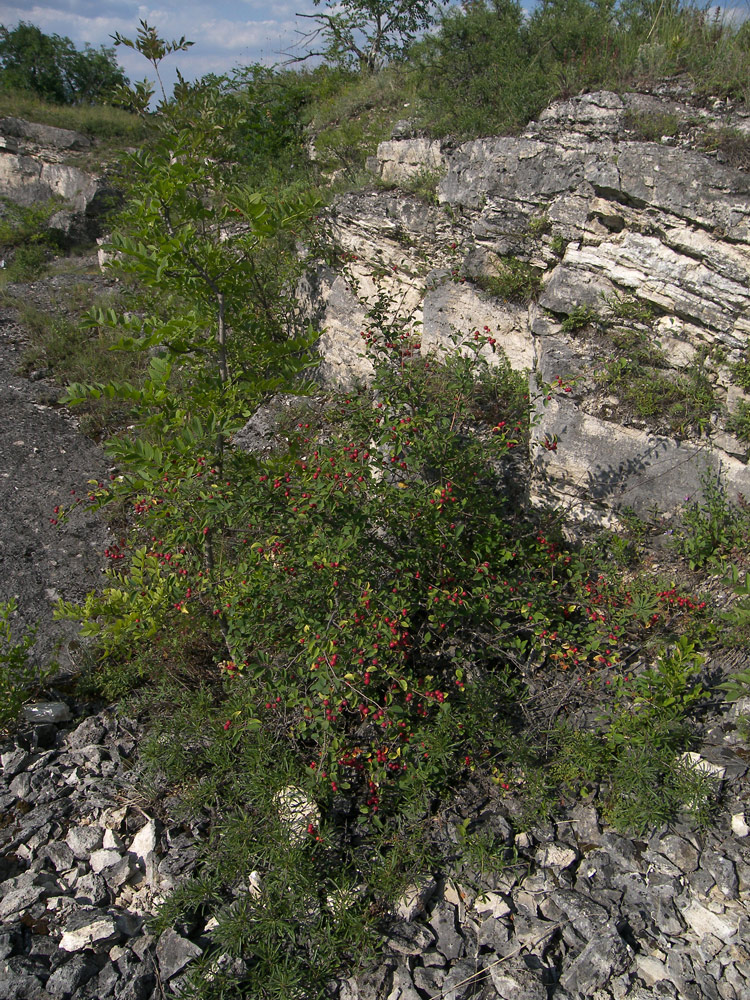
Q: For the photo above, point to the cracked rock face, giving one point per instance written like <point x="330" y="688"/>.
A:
<point x="607" y="219"/>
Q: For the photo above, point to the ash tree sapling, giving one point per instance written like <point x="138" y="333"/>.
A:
<point x="194" y="238"/>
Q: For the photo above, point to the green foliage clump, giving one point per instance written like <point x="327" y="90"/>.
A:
<point x="652" y="126"/>
<point x="51" y="68"/>
<point x="579" y="318"/>
<point x="683" y="403"/>
<point x="711" y="525"/>
<point x="738" y="422"/>
<point x="26" y="244"/>
<point x="363" y="34"/>
<point x="20" y="678"/>
<point x="512" y="280"/>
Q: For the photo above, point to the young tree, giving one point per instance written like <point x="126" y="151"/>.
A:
<point x="51" y="67"/>
<point x="193" y="237"/>
<point x="366" y="33"/>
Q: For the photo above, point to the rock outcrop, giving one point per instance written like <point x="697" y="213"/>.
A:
<point x="33" y="170"/>
<point x="641" y="250"/>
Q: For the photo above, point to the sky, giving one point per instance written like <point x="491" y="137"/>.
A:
<point x="227" y="34"/>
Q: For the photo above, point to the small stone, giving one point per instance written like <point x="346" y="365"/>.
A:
<point x="47" y="711"/>
<point x="679" y="852"/>
<point x="605" y="955"/>
<point x="523" y="841"/>
<point x="650" y="969"/>
<point x="15" y="761"/>
<point x="739" y="825"/>
<point x="429" y="980"/>
<point x="87" y="732"/>
<point x="585" y="821"/>
<point x="20" y="786"/>
<point x="101" y="859"/>
<point x="111" y="841"/>
<point x="92" y="890"/>
<point x="724" y="873"/>
<point x="70" y="976"/>
<point x="18" y="894"/>
<point x="491" y="904"/>
<point x="463" y="981"/>
<point x="174" y="953"/>
<point x="144" y="842"/>
<point x="517" y="983"/>
<point x="586" y="916"/>
<point x="403" y="986"/>
<point x="84" y="840"/>
<point x="60" y="855"/>
<point x="297" y="812"/>
<point x="88" y="928"/>
<point x="703" y="921"/>
<point x="410" y="939"/>
<point x="556" y="856"/>
<point x="449" y="943"/>
<point x="118" y="874"/>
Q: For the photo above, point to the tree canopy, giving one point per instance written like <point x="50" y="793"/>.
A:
<point x="368" y="32"/>
<point x="51" y="67"/>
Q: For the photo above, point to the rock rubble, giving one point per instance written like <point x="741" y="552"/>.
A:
<point x="580" y="912"/>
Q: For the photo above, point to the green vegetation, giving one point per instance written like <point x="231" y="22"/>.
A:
<point x="52" y="69"/>
<point x="357" y="620"/>
<point x="653" y="126"/>
<point x="98" y="121"/>
<point x="512" y="280"/>
<point x="20" y="678"/>
<point x="683" y="403"/>
<point x="364" y="34"/>
<point x="25" y="242"/>
<point x="579" y="318"/>
<point x="712" y="528"/>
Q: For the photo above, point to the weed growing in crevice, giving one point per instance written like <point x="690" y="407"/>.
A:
<point x="512" y="280"/>
<point x="580" y="318"/>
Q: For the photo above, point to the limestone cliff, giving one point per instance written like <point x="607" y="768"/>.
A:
<point x="640" y="247"/>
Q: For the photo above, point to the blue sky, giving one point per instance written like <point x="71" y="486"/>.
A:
<point x="235" y="32"/>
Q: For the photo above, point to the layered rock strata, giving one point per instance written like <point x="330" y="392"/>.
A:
<point x="642" y="254"/>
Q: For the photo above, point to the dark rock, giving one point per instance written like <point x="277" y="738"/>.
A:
<point x="723" y="872"/>
<point x="84" y="840"/>
<point x="409" y="938"/>
<point x="430" y="979"/>
<point x="91" y="889"/>
<point x="449" y="942"/>
<point x="516" y="982"/>
<point x="587" y="917"/>
<point x="173" y="953"/>
<point x="89" y="928"/>
<point x="605" y="955"/>
<point x="66" y="980"/>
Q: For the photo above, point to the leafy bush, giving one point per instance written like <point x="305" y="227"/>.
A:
<point x="710" y="526"/>
<point x="682" y="402"/>
<point x="20" y="679"/>
<point x="26" y="244"/>
<point x="579" y="318"/>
